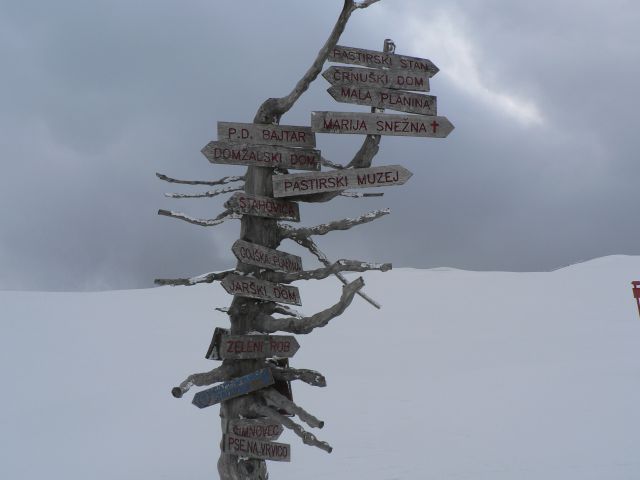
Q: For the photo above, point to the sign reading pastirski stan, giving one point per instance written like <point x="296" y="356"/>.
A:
<point x="253" y="133"/>
<point x="385" y="98"/>
<point x="380" y="124"/>
<point x="229" y="153"/>
<point x="242" y="347"/>
<point x="250" y="447"/>
<point x="261" y="289"/>
<point x="397" y="80"/>
<point x="234" y="388"/>
<point x="317" y="182"/>
<point x="246" y="204"/>
<point x="254" y="254"/>
<point x="372" y="58"/>
<point x="260" y="428"/>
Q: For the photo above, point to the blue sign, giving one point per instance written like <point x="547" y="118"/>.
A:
<point x="234" y="388"/>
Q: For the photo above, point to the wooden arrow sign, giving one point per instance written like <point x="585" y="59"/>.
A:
<point x="367" y="77"/>
<point x="241" y="347"/>
<point x="259" y="428"/>
<point x="385" y="98"/>
<point x="380" y="124"/>
<point x="253" y="254"/>
<point x="316" y="182"/>
<point x="374" y="59"/>
<point x="253" y="133"/>
<point x="249" y="447"/>
<point x="246" y="204"/>
<point x="262" y="155"/>
<point x="261" y="289"/>
<point x="234" y="388"/>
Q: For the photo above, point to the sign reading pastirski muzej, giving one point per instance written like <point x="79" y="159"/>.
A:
<point x="230" y="153"/>
<point x="259" y="256"/>
<point x="335" y="180"/>
<point x="367" y="77"/>
<point x="234" y="388"/>
<point x="380" y="124"/>
<point x="242" y="347"/>
<point x="253" y="133"/>
<point x="250" y="447"/>
<point x="372" y="58"/>
<point x="385" y="98"/>
<point x="261" y="289"/>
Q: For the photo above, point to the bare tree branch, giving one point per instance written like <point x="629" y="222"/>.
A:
<point x="310" y="245"/>
<point x="226" y="215"/>
<point x="365" y="4"/>
<point x="321" y="273"/>
<point x="308" y="438"/>
<point x="209" y="194"/>
<point x="277" y="400"/>
<point x="188" y="282"/>
<point x="268" y="324"/>
<point x="345" y="224"/>
<point x="328" y="163"/>
<point x="212" y="183"/>
<point x="221" y="374"/>
<point x="347" y="194"/>
<point x="285" y="310"/>
<point x="289" y="374"/>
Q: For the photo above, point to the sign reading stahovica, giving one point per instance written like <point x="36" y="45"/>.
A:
<point x="317" y="182"/>
<point x="246" y="204"/>
<point x="229" y="153"/>
<point x="261" y="289"/>
<point x="234" y="388"/>
<point x="380" y="124"/>
<point x="372" y="58"/>
<point x="367" y="77"/>
<point x="253" y="133"/>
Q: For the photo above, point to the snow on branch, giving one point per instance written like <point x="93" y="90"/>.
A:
<point x="321" y="273"/>
<point x="209" y="194"/>
<point x="308" y="438"/>
<point x="287" y="231"/>
<point x="221" y="374"/>
<point x="365" y="4"/>
<point x="226" y="215"/>
<point x="360" y="194"/>
<point x="268" y="324"/>
<point x="289" y="374"/>
<point x="212" y="183"/>
<point x="279" y="401"/>
<point x="188" y="282"/>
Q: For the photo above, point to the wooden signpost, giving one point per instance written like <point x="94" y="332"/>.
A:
<point x="367" y="77"/>
<point x="261" y="289"/>
<point x="317" y="182"/>
<point x="372" y="58"/>
<point x="234" y="388"/>
<point x="259" y="428"/>
<point x="262" y="155"/>
<point x="242" y="347"/>
<point x="380" y="124"/>
<point x="251" y="133"/>
<point x="253" y="448"/>
<point x="385" y="98"/>
<point x="254" y="254"/>
<point x="268" y="207"/>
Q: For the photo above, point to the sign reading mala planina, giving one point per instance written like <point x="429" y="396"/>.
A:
<point x="367" y="77"/>
<point x="307" y="183"/>
<point x="272" y="156"/>
<point x="385" y="98"/>
<point x="380" y="124"/>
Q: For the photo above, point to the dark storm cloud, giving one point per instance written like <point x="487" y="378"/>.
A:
<point x="541" y="170"/>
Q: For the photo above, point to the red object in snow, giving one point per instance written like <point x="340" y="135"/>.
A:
<point x="636" y="293"/>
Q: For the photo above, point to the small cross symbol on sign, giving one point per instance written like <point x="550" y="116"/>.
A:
<point x="435" y="126"/>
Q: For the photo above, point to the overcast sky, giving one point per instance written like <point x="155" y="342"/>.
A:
<point x="541" y="171"/>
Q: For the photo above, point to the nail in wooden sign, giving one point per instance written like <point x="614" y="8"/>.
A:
<point x="257" y="206"/>
<point x="259" y="428"/>
<point x="262" y="155"/>
<point x="234" y="388"/>
<point x="261" y="289"/>
<point x="259" y="256"/>
<point x="372" y="58"/>
<point x="367" y="77"/>
<point x="385" y="98"/>
<point x="253" y="133"/>
<point x="249" y="447"/>
<point x="242" y="347"/>
<point x="307" y="183"/>
<point x="381" y="124"/>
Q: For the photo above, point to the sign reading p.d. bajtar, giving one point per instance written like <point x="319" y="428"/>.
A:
<point x="287" y="135"/>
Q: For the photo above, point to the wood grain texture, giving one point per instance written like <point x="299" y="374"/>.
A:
<point x="274" y="156"/>
<point x="369" y="77"/>
<point x="385" y="98"/>
<point x="375" y="59"/>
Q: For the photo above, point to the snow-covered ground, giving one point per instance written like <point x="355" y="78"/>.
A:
<point x="462" y="375"/>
